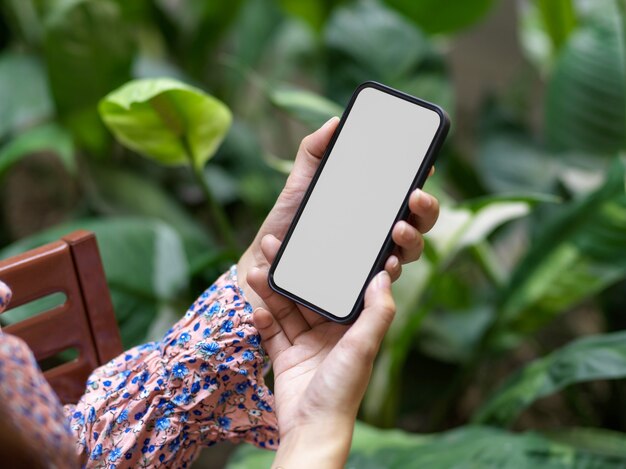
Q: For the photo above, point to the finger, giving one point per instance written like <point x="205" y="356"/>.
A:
<point x="283" y="310"/>
<point x="315" y="144"/>
<point x="393" y="267"/>
<point x="431" y="171"/>
<point x="409" y="240"/>
<point x="269" y="247"/>
<point x="273" y="338"/>
<point x="425" y="207"/>
<point x="366" y="334"/>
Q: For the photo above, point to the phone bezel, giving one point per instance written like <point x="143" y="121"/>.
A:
<point x="403" y="212"/>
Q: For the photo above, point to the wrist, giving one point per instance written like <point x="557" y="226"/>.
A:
<point x="320" y="444"/>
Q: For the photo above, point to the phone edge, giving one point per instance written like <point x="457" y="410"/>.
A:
<point x="403" y="213"/>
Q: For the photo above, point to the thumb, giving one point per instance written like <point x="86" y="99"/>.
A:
<point x="372" y="325"/>
<point x="314" y="145"/>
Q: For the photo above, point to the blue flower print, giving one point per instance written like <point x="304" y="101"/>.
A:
<point x="123" y="417"/>
<point x="248" y="355"/>
<point x="254" y="340"/>
<point x="208" y="349"/>
<point x="180" y="370"/>
<point x="184" y="338"/>
<point x="97" y="452"/>
<point x="215" y="307"/>
<point x="92" y="415"/>
<point x="263" y="406"/>
<point x="227" y="326"/>
<point x="181" y="399"/>
<point x="241" y="388"/>
<point x="224" y="422"/>
<point x="162" y="424"/>
<point x="115" y="454"/>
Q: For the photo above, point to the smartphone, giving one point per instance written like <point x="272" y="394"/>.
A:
<point x="340" y="237"/>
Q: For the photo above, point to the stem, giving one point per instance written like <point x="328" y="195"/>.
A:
<point x="621" y="6"/>
<point x="486" y="258"/>
<point x="224" y="228"/>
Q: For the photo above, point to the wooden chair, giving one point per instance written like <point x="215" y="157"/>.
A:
<point x="85" y="321"/>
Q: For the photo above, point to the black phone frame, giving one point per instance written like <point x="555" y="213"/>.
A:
<point x="403" y="212"/>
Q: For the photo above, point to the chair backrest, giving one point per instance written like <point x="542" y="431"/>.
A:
<point x="85" y="321"/>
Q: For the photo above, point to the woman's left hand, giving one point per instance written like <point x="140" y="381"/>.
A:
<point x="406" y="234"/>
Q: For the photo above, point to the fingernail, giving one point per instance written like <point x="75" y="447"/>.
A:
<point x="329" y="121"/>
<point x="394" y="262"/>
<point x="424" y="200"/>
<point x="408" y="233"/>
<point x="383" y="281"/>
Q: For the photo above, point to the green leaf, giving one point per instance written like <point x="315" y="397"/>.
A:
<point x="559" y="19"/>
<point x="88" y="49"/>
<point x="314" y="12"/>
<point x="306" y="106"/>
<point x="368" y="41"/>
<point x="23" y="92"/>
<point x="145" y="266"/>
<point x="462" y="448"/>
<point x="166" y="120"/>
<point x="457" y="229"/>
<point x="586" y="100"/>
<point x="470" y="223"/>
<point x="511" y="161"/>
<point x="578" y="254"/>
<point x="123" y="193"/>
<point x="587" y="359"/>
<point x="49" y="137"/>
<point x="593" y="440"/>
<point x="443" y="16"/>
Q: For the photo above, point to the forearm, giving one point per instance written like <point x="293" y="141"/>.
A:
<point x="320" y="444"/>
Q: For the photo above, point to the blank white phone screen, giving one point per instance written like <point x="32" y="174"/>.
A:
<point x="359" y="192"/>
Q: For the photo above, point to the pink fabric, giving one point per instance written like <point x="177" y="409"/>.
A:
<point x="157" y="404"/>
<point x="28" y="405"/>
<point x="5" y="296"/>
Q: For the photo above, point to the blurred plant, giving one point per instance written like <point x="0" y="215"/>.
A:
<point x="540" y="229"/>
<point x="173" y="124"/>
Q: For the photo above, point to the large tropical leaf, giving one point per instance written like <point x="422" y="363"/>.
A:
<point x="166" y="120"/>
<point x="457" y="229"/>
<point x="587" y="359"/>
<point x="306" y="106"/>
<point x="443" y="16"/>
<point x="145" y="266"/>
<point x="463" y="448"/>
<point x="23" y="92"/>
<point x="50" y="137"/>
<point x="580" y="252"/>
<point x="88" y="49"/>
<point x="544" y="27"/>
<point x="586" y="97"/>
<point x="124" y="193"/>
<point x="368" y="41"/>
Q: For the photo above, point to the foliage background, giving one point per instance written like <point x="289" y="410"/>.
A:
<point x="507" y="348"/>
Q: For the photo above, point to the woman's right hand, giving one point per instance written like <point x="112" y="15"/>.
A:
<point x="321" y="368"/>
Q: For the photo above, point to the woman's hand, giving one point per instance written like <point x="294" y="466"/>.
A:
<point x="407" y="235"/>
<point x="321" y="368"/>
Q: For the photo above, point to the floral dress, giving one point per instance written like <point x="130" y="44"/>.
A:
<point x="159" y="403"/>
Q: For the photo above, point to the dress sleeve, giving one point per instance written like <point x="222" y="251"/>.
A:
<point x="30" y="411"/>
<point x="159" y="403"/>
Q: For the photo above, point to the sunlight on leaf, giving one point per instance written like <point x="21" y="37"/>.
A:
<point x="166" y="120"/>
